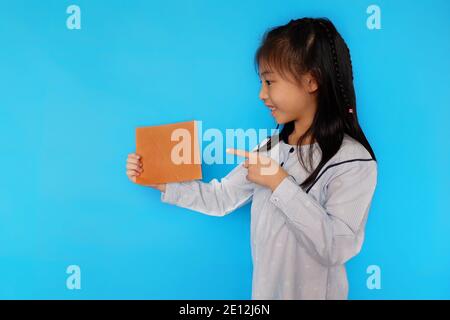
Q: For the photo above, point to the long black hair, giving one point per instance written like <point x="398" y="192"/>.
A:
<point x="314" y="45"/>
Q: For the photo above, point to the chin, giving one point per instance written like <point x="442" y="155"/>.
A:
<point x="280" y="121"/>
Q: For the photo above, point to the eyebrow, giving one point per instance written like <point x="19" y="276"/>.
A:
<point x="265" y="72"/>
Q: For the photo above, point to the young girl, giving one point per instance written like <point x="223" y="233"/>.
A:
<point x="307" y="221"/>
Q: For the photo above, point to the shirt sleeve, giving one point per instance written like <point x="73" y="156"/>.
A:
<point x="214" y="198"/>
<point x="332" y="233"/>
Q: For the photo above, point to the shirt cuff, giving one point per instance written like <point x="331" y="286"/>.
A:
<point x="284" y="193"/>
<point x="171" y="194"/>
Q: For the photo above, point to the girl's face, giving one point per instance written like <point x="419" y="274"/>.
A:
<point x="288" y="100"/>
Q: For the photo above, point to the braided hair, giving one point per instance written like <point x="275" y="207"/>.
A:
<point x="336" y="64"/>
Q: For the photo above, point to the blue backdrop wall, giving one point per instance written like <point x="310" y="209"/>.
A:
<point x="70" y="101"/>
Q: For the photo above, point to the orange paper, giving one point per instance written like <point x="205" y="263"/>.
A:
<point x="169" y="153"/>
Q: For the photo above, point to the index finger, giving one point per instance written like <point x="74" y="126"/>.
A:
<point x="243" y="153"/>
<point x="240" y="153"/>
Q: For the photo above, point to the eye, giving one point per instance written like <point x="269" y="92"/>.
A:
<point x="268" y="82"/>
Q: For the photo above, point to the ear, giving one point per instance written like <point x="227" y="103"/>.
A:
<point x="311" y="84"/>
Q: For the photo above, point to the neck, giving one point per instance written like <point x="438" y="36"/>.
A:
<point x="300" y="127"/>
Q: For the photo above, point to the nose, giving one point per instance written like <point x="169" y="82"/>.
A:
<point x="263" y="95"/>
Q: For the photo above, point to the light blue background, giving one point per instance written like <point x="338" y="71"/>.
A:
<point x="71" y="99"/>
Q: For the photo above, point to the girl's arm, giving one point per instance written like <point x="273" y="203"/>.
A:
<point x="214" y="198"/>
<point x="332" y="233"/>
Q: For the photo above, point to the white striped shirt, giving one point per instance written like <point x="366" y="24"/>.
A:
<point x="300" y="240"/>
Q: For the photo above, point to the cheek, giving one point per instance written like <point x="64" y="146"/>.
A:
<point x="279" y="98"/>
<point x="288" y="101"/>
<point x="297" y="103"/>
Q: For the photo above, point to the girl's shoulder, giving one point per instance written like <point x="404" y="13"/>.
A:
<point x="353" y="161"/>
<point x="352" y="149"/>
<point x="352" y="155"/>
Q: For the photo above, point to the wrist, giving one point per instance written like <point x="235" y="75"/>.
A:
<point x="279" y="178"/>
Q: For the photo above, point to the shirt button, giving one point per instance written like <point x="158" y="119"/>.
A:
<point x="275" y="199"/>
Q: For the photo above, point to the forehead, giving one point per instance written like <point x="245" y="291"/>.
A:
<point x="266" y="72"/>
<point x="266" y="69"/>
